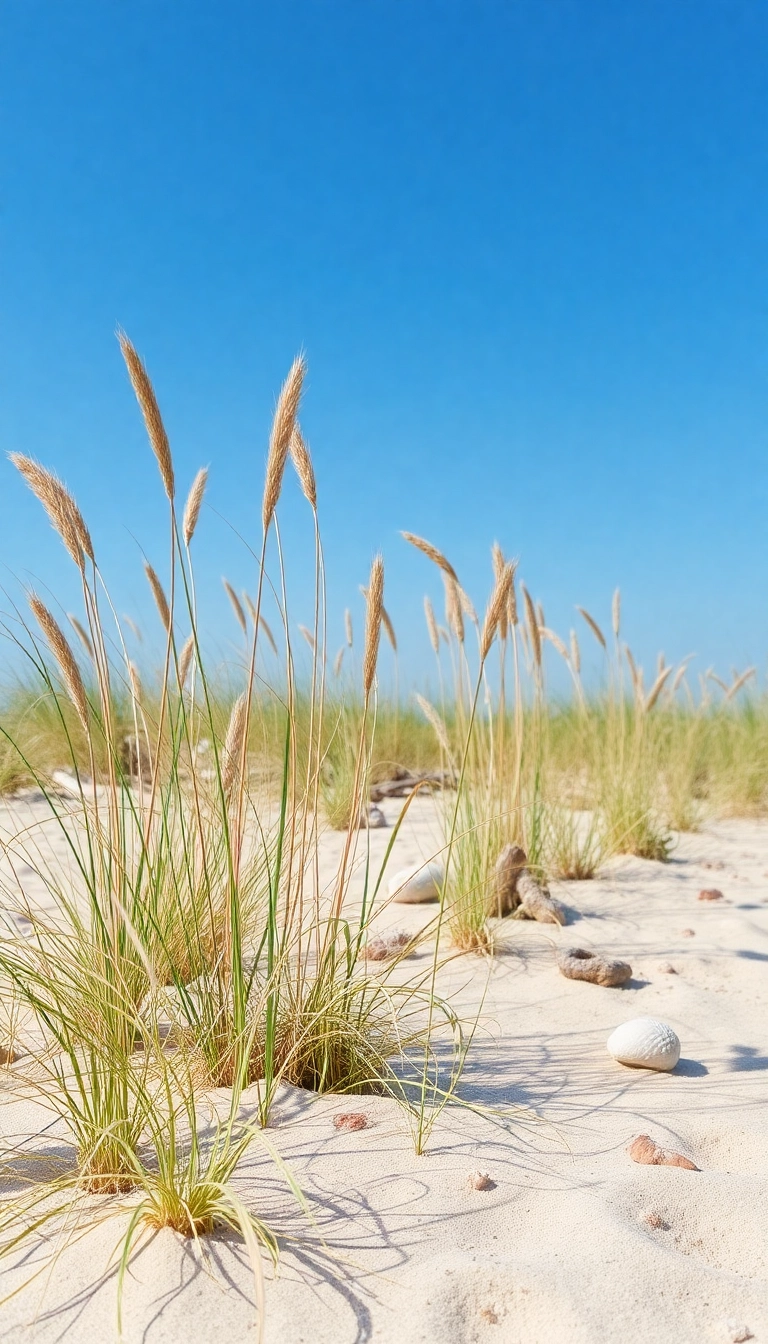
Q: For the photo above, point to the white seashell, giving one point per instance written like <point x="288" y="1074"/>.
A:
<point x="419" y="883"/>
<point x="645" y="1043"/>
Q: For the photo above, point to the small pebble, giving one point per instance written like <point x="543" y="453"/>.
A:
<point x="489" y="1315"/>
<point x="738" y="1334"/>
<point x="649" y="1154"/>
<point x="656" y="1221"/>
<point x="710" y="894"/>
<point x="480" y="1180"/>
<point x="688" y="933"/>
<point x="666" y="967"/>
<point x="350" y="1120"/>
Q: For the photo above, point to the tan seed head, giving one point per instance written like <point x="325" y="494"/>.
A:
<point x="194" y="504"/>
<point x="145" y="395"/>
<point x="374" y="605"/>
<point x="280" y="438"/>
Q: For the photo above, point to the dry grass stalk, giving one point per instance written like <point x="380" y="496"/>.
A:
<point x="739" y="682"/>
<point x="64" y="657"/>
<point x="81" y="633"/>
<point x="454" y="616"/>
<point x="270" y="637"/>
<point x="432" y="554"/>
<point x="145" y="395"/>
<point x="616" y="612"/>
<point x="656" y="689"/>
<point x="60" y="506"/>
<point x="389" y="628"/>
<point x="307" y="634"/>
<point x="499" y="562"/>
<point x="512" y="599"/>
<point x="303" y="464"/>
<point x="433" y="718"/>
<point x="348" y="626"/>
<point x="541" y="619"/>
<point x="680" y="673"/>
<point x="135" y="681"/>
<point x="280" y="438"/>
<point x="533" y="625"/>
<point x="495" y="610"/>
<point x="434" y="633"/>
<point x="194" y="504"/>
<point x="236" y="605"/>
<point x="161" y="601"/>
<point x="233" y="744"/>
<point x="466" y="606"/>
<point x="635" y="673"/>
<point x="185" y="660"/>
<point x="555" y="640"/>
<point x="575" y="653"/>
<point x="594" y="627"/>
<point x="133" y="627"/>
<point x="338" y="660"/>
<point x="374" y="605"/>
<point x="257" y="619"/>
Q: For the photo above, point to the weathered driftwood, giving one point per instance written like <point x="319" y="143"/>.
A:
<point x="518" y="893"/>
<point x="405" y="784"/>
<point x="578" y="964"/>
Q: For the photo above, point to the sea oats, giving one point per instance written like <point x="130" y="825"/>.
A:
<point x="338" y="660"/>
<point x="555" y="640"/>
<point x="307" y="634"/>
<point x="161" y="601"/>
<point x="134" y="678"/>
<point x="434" y="634"/>
<point x="532" y="624"/>
<point x="499" y="562"/>
<point x="270" y="637"/>
<point x="133" y="627"/>
<point x="236" y="605"/>
<point x="280" y="438"/>
<point x="454" y="617"/>
<point x="496" y="608"/>
<point x="594" y="627"/>
<point x="64" y="656"/>
<point x="194" y="504"/>
<point x="432" y="717"/>
<point x="739" y="682"/>
<point x="374" y="605"/>
<point x="616" y="612"/>
<point x="145" y="395"/>
<point x="59" y="504"/>
<point x="303" y="464"/>
<point x="233" y="744"/>
<point x="348" y="626"/>
<point x="185" y="660"/>
<point x="575" y="653"/>
<point x="432" y="554"/>
<point x="81" y="633"/>
<point x="656" y="689"/>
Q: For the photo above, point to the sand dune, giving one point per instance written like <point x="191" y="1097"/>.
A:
<point x="574" y="1242"/>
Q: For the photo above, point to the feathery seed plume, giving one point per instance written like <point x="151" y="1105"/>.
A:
<point x="308" y="636"/>
<point x="656" y="689"/>
<point x="133" y="627"/>
<point x="59" y="504"/>
<point x="499" y="562"/>
<point x="145" y="395"/>
<point x="389" y="628"/>
<point x="554" y="639"/>
<point x="233" y="745"/>
<point x="739" y="682"/>
<point x="433" y="718"/>
<point x="161" y="601"/>
<point x="270" y="637"/>
<point x="533" y="625"/>
<point x="454" y="617"/>
<point x="64" y="657"/>
<point x="280" y="438"/>
<point x="616" y="612"/>
<point x="194" y="504"/>
<point x="374" y="603"/>
<point x="236" y="605"/>
<point x="495" y="610"/>
<point x="338" y="660"/>
<point x="303" y="464"/>
<point x="594" y="627"/>
<point x="434" y="634"/>
<point x="185" y="661"/>
<point x="81" y="633"/>
<point x="348" y="626"/>
<point x="432" y="554"/>
<point x="135" y="680"/>
<point x="575" y="653"/>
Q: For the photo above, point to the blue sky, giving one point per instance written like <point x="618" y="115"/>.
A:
<point x="522" y="245"/>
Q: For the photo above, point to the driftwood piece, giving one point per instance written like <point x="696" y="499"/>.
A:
<point x="509" y="865"/>
<point x="578" y="964"/>
<point x="536" y="902"/>
<point x="406" y="783"/>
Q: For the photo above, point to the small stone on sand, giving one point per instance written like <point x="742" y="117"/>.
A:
<point x="489" y="1315"/>
<point x="644" y="1150"/>
<point x="480" y="1180"/>
<point x="666" y="967"/>
<point x="688" y="933"/>
<point x="738" y="1334"/>
<point x="656" y="1221"/>
<point x="710" y="894"/>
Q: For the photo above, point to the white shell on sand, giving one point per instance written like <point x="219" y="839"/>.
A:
<point x="419" y="883"/>
<point x="645" y="1043"/>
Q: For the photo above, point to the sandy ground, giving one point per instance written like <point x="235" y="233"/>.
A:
<point x="574" y="1243"/>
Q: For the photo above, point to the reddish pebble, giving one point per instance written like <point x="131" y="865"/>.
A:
<point x="656" y="1221"/>
<point x="480" y="1180"/>
<point x="688" y="933"/>
<point x="710" y="894"/>
<point x="351" y="1120"/>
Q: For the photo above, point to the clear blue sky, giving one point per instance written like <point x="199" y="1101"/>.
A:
<point x="522" y="244"/>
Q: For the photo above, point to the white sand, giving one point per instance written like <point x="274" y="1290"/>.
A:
<point x="401" y="1249"/>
